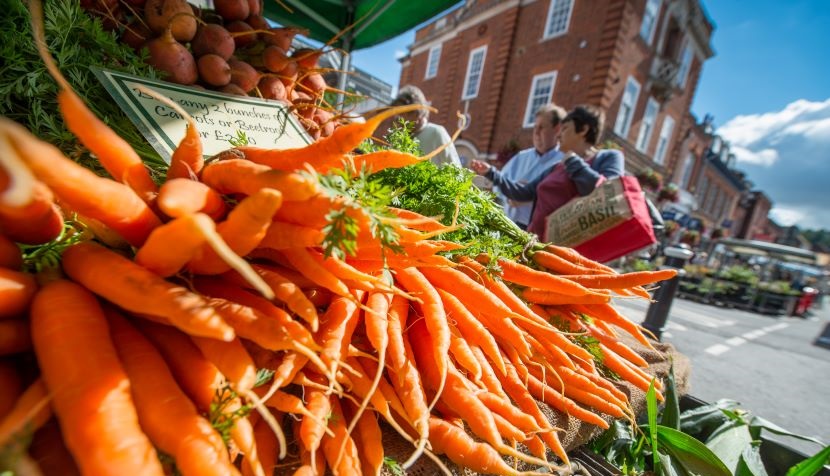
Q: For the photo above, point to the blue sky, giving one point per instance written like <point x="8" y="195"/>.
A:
<point x="768" y="87"/>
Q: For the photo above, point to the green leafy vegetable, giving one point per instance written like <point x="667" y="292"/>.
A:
<point x="78" y="42"/>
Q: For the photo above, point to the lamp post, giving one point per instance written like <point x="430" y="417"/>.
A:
<point x="658" y="311"/>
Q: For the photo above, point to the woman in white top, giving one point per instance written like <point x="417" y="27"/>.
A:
<point x="430" y="136"/>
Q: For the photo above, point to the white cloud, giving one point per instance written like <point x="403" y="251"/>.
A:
<point x="764" y="158"/>
<point x="786" y="154"/>
<point x="400" y="54"/>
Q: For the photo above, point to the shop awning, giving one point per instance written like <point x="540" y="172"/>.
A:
<point x="374" y="21"/>
<point x="773" y="250"/>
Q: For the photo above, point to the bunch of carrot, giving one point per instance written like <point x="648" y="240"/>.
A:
<point x="149" y="342"/>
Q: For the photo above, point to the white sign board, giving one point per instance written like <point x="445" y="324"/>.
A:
<point x="219" y="117"/>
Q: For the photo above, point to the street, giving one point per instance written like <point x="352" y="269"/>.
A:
<point x="769" y="364"/>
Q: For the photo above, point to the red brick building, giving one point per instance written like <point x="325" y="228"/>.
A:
<point x="498" y="61"/>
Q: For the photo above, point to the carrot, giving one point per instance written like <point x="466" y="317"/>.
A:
<point x="503" y="407"/>
<point x="435" y="319"/>
<point x="28" y="414"/>
<point x="544" y="296"/>
<point x="113" y="152"/>
<point x="231" y="359"/>
<point x="133" y="288"/>
<point x="416" y="220"/>
<point x="256" y="319"/>
<point x="16" y="292"/>
<point x="283" y="235"/>
<point x="10" y="255"/>
<point x="476" y="296"/>
<point x="610" y="315"/>
<point x="12" y="387"/>
<point x="171" y="246"/>
<point x="187" y="160"/>
<point x="243" y="230"/>
<point x="242" y="176"/>
<point x="181" y="196"/>
<point x="617" y="346"/>
<point x="29" y="215"/>
<point x="525" y="276"/>
<point x="574" y="257"/>
<point x="284" y="290"/>
<point x="49" y="451"/>
<point x="471" y="328"/>
<point x="627" y="280"/>
<point x="555" y="399"/>
<point x="489" y="379"/>
<point x="14" y="337"/>
<point x="580" y="380"/>
<point x="462" y="354"/>
<point x="80" y="189"/>
<point x="507" y="429"/>
<point x="350" y="463"/>
<point x="346" y="272"/>
<point x="628" y="372"/>
<point x="464" y="451"/>
<point x="370" y="445"/>
<point x="559" y="265"/>
<point x="336" y="328"/>
<point x="303" y="262"/>
<point x="313" y="462"/>
<point x="519" y="392"/>
<point x="267" y="449"/>
<point x="311" y="430"/>
<point x="80" y="367"/>
<point x="571" y="389"/>
<point x="164" y="411"/>
<point x="327" y="150"/>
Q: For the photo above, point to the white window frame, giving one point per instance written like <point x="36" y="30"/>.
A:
<point x="652" y="11"/>
<point x="623" y="124"/>
<point x="664" y="139"/>
<point x="433" y="61"/>
<point x="530" y="114"/>
<point x="551" y="9"/>
<point x="473" y="53"/>
<point x="647" y="125"/>
<point x="686" y="58"/>
<point x="686" y="173"/>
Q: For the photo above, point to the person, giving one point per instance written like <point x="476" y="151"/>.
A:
<point x="577" y="174"/>
<point x="529" y="164"/>
<point x="431" y="136"/>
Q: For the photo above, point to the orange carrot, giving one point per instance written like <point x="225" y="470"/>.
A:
<point x="303" y="262"/>
<point x="267" y="449"/>
<point x="330" y="149"/>
<point x="503" y="407"/>
<point x="416" y="220"/>
<point x="311" y="430"/>
<point x="10" y="255"/>
<point x="284" y="235"/>
<point x="36" y="219"/>
<point x="627" y="280"/>
<point x="80" y="189"/>
<point x="463" y="450"/>
<point x="370" y="445"/>
<point x="29" y="413"/>
<point x="471" y="328"/>
<point x="133" y="288"/>
<point x="245" y="177"/>
<point x="555" y="399"/>
<point x="463" y="355"/>
<point x="171" y="246"/>
<point x="80" y="366"/>
<point x="243" y="230"/>
<point x="435" y="319"/>
<point x="610" y="315"/>
<point x="113" y="152"/>
<point x="16" y="292"/>
<point x="285" y="290"/>
<point x="489" y="379"/>
<point x="14" y="336"/>
<point x="525" y="276"/>
<point x="559" y="265"/>
<point x="231" y="359"/>
<point x="50" y="453"/>
<point x="12" y="387"/>
<point x="574" y="257"/>
<point x="181" y="196"/>
<point x="544" y="296"/>
<point x="187" y="160"/>
<point x="164" y="411"/>
<point x="349" y="464"/>
<point x="627" y="371"/>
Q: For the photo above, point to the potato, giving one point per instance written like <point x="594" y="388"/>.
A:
<point x="213" y="39"/>
<point x="170" y="56"/>
<point x="176" y="14"/>
<point x="243" y="75"/>
<point x="214" y="70"/>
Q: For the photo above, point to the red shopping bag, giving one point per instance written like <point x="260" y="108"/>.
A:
<point x="610" y="222"/>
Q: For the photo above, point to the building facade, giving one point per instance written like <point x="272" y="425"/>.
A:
<point x="499" y="61"/>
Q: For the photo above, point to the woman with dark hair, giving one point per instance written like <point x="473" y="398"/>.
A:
<point x="578" y="174"/>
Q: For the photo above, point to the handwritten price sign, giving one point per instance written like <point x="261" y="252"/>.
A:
<point x="219" y="117"/>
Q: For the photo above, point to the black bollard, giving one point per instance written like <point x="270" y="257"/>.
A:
<point x="658" y="311"/>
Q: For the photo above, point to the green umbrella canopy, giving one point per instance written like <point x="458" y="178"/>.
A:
<point x="375" y="21"/>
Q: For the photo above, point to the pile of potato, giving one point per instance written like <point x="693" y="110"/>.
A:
<point x="231" y="49"/>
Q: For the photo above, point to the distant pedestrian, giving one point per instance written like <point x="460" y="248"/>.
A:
<point x="431" y="136"/>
